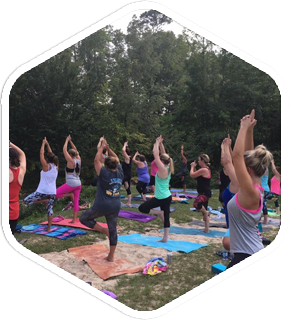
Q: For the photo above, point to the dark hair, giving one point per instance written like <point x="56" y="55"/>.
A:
<point x="128" y="151"/>
<point x="51" y="158"/>
<point x="104" y="151"/>
<point x="142" y="158"/>
<point x="111" y="163"/>
<point x="14" y="157"/>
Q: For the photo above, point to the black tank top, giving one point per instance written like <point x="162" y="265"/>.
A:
<point x="127" y="168"/>
<point x="203" y="185"/>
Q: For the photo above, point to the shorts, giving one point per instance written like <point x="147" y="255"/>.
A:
<point x="201" y="200"/>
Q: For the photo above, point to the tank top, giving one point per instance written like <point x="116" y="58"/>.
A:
<point x="203" y="185"/>
<point x="47" y="184"/>
<point x="184" y="167"/>
<point x="72" y="176"/>
<point x="14" y="189"/>
<point x="244" y="237"/>
<point x="154" y="168"/>
<point x="162" y="187"/>
<point x="264" y="181"/>
<point x="143" y="174"/>
<point x="127" y="168"/>
<point x="275" y="185"/>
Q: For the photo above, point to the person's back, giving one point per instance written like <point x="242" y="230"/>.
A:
<point x="14" y="189"/>
<point x="72" y="176"/>
<point x="47" y="184"/>
<point x="143" y="174"/>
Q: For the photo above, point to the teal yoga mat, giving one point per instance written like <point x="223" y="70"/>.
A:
<point x="171" y="245"/>
<point x="192" y="231"/>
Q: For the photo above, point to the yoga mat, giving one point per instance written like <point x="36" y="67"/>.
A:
<point x="136" y="216"/>
<point x="192" y="231"/>
<point x="133" y="205"/>
<point x="171" y="245"/>
<point x="56" y="232"/>
<point x="180" y="195"/>
<point x="77" y="224"/>
<point x="211" y="225"/>
<point x="95" y="256"/>
<point x="273" y="214"/>
<point x="179" y="190"/>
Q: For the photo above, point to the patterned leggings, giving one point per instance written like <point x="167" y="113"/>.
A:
<point x="36" y="196"/>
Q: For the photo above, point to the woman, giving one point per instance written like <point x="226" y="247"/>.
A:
<point x="265" y="186"/>
<point x="107" y="202"/>
<point x="142" y="173"/>
<point x="275" y="185"/>
<point x="203" y="177"/>
<point x="154" y="169"/>
<point x="17" y="170"/>
<point x="46" y="190"/>
<point x="245" y="207"/>
<point x="72" y="187"/>
<point x="162" y="196"/>
<point x="127" y="170"/>
<point x="183" y="172"/>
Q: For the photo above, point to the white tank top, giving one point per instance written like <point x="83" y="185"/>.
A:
<point x="47" y="184"/>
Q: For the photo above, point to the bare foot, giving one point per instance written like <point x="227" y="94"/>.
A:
<point x="72" y="221"/>
<point x="162" y="240"/>
<point x="110" y="259"/>
<point x="128" y="204"/>
<point x="205" y="230"/>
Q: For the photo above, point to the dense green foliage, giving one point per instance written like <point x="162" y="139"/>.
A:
<point x="136" y="86"/>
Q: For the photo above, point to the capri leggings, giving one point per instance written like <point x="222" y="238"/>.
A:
<point x="238" y="257"/>
<point x="141" y="187"/>
<point x="128" y="180"/>
<point x="164" y="204"/>
<point x="64" y="189"/>
<point x="36" y="196"/>
<point x="201" y="200"/>
<point x="87" y="219"/>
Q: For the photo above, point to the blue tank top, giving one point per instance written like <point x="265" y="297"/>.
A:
<point x="143" y="174"/>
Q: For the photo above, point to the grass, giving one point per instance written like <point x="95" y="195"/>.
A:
<point x="138" y="291"/>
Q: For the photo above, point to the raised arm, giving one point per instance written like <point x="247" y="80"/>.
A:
<point x="67" y="156"/>
<point x="161" y="147"/>
<point x="248" y="194"/>
<point x="162" y="170"/>
<point x="184" y="159"/>
<point x="22" y="157"/>
<point x="227" y="163"/>
<point x="75" y="148"/>
<point x="139" y="164"/>
<point x="41" y="155"/>
<point x="100" y="142"/>
<point x="98" y="164"/>
<point x="124" y="153"/>
<point x="110" y="151"/>
<point x="196" y="173"/>
<point x="275" y="171"/>
<point x="249" y="142"/>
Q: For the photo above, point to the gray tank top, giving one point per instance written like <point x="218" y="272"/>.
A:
<point x="244" y="237"/>
<point x="73" y="179"/>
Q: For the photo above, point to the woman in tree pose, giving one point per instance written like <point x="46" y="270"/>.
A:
<point x="245" y="207"/>
<point x="17" y="170"/>
<point x="162" y="196"/>
<point x="107" y="202"/>
<point x="203" y="177"/>
<point x="182" y="174"/>
<point x="46" y="190"/>
<point x="127" y="170"/>
<point x="72" y="187"/>
<point x="154" y="168"/>
<point x="142" y="172"/>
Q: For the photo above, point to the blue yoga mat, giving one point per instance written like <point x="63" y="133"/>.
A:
<point x="187" y="191"/>
<point x="192" y="231"/>
<point x="171" y="245"/>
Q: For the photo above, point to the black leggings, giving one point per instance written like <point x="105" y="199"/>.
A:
<point x="164" y="204"/>
<point x="141" y="187"/>
<point x="13" y="224"/>
<point x="238" y="257"/>
<point x="87" y="219"/>
<point x="128" y="180"/>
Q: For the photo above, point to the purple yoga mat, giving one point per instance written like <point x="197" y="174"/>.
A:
<point x="136" y="216"/>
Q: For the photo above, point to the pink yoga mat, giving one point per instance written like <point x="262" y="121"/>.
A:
<point x="77" y="224"/>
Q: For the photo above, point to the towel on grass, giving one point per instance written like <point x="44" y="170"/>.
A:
<point x="56" y="232"/>
<point x="155" y="266"/>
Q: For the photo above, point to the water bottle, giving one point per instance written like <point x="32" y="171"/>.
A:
<point x="169" y="257"/>
<point x="225" y="255"/>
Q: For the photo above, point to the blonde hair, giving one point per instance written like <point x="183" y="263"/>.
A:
<point x="167" y="161"/>
<point x="73" y="153"/>
<point x="205" y="158"/>
<point x="258" y="159"/>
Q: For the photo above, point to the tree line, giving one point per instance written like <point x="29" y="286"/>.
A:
<point x="135" y="86"/>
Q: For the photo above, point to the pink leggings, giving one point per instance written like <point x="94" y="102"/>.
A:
<point x="62" y="190"/>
